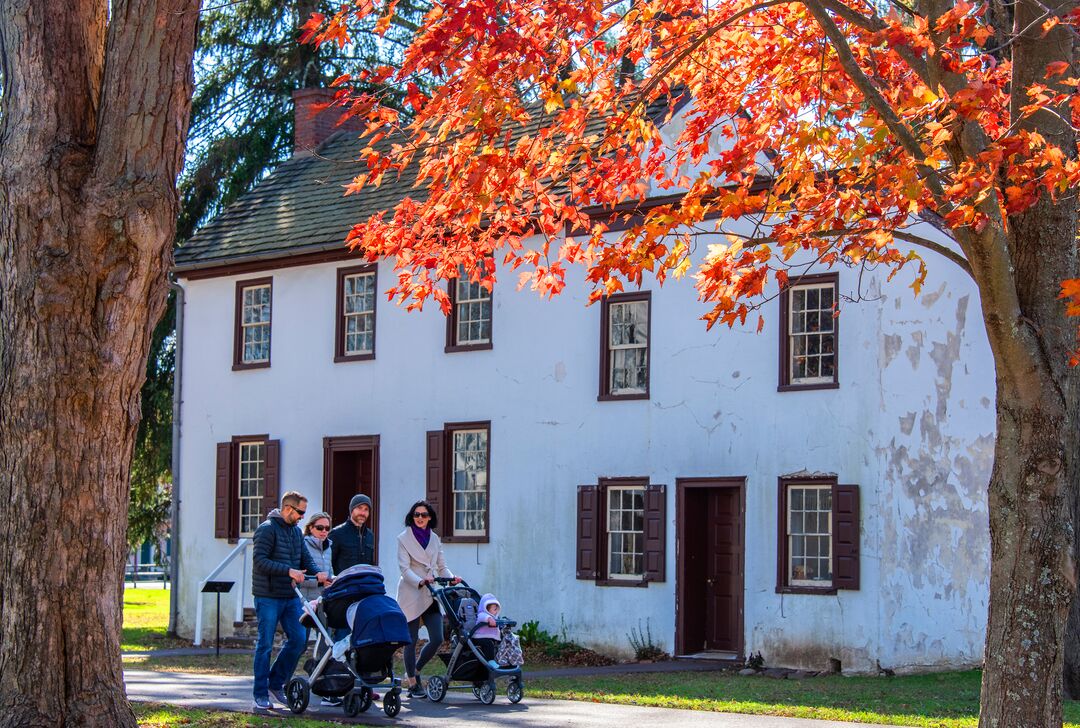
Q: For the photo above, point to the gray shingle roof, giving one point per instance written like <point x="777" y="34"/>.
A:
<point x="301" y="207"/>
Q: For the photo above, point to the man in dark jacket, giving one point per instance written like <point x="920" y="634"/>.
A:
<point x="353" y="542"/>
<point x="279" y="560"/>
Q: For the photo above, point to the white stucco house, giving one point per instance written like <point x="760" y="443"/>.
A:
<point x="815" y="492"/>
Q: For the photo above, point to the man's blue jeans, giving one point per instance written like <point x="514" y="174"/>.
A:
<point x="270" y="612"/>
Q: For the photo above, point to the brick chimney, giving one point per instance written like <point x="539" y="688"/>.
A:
<point x="312" y="124"/>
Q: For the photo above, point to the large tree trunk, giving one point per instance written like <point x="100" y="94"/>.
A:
<point x="1019" y="269"/>
<point x="94" y="119"/>
<point x="1036" y="464"/>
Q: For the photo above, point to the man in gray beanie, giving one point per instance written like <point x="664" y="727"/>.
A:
<point x="353" y="542"/>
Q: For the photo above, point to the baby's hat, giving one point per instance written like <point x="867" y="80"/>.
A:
<point x="488" y="599"/>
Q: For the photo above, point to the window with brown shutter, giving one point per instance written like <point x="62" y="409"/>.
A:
<point x="621" y="532"/>
<point x="247" y="484"/>
<point x="625" y="331"/>
<point x="458" y="482"/>
<point x="817" y="536"/>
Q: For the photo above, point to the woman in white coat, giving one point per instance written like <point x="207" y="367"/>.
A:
<point x="420" y="559"/>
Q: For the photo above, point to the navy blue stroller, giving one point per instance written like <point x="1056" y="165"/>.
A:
<point x="356" y="601"/>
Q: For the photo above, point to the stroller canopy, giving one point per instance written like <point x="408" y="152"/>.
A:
<point x="379" y="621"/>
<point x="355" y="583"/>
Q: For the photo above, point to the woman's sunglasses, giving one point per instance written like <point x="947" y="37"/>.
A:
<point x="320" y="528"/>
<point x="421" y="514"/>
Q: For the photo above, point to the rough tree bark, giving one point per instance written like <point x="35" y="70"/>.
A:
<point x="1036" y="468"/>
<point x="94" y="119"/>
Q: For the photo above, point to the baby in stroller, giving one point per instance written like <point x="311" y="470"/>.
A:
<point x="475" y="629"/>
<point x="356" y="601"/>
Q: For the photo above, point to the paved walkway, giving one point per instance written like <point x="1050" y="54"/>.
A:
<point x="234" y="693"/>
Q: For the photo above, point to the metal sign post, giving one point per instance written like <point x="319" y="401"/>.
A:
<point x="219" y="588"/>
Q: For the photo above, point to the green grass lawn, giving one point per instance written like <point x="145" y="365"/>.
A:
<point x="153" y="715"/>
<point x="940" y="700"/>
<point x="146" y="619"/>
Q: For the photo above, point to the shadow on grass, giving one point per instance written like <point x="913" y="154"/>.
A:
<point x="940" y="700"/>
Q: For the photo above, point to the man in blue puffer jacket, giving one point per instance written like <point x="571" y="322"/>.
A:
<point x="279" y="560"/>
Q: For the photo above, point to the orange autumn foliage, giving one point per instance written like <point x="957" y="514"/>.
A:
<point x="541" y="129"/>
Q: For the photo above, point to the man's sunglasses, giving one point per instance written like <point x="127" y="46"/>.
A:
<point x="298" y="511"/>
<point x="320" y="528"/>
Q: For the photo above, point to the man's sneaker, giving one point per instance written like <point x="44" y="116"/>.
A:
<point x="332" y="702"/>
<point x="279" y="695"/>
<point x="261" y="704"/>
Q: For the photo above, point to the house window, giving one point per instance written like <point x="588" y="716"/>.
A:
<point x="468" y="327"/>
<point x="470" y="458"/>
<point x="621" y="530"/>
<point x="809" y="345"/>
<point x="809" y="534"/>
<point x="247" y="484"/>
<point x="458" y="458"/>
<point x="355" y="337"/>
<point x="626" y="532"/>
<point x="251" y="348"/>
<point x="251" y="491"/>
<point x="624" y="346"/>
<point x="818" y="538"/>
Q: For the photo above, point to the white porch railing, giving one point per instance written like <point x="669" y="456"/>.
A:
<point x="241" y="596"/>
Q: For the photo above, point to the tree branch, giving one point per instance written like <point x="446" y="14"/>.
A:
<point x="938" y="248"/>
<point x="897" y="126"/>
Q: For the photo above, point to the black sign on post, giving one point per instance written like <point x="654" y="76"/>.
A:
<point x="218" y="588"/>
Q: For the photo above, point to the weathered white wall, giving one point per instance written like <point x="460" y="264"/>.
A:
<point x="912" y="423"/>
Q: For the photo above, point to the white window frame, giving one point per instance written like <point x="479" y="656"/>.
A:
<point x="368" y="313"/>
<point x="249" y="501"/>
<point x="613" y="348"/>
<point x="610" y="490"/>
<point x="463" y="302"/>
<point x="480" y="481"/>
<point x="246" y="326"/>
<point x="824" y="314"/>
<point x="822" y="536"/>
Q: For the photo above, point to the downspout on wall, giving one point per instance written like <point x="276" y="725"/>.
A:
<point x="174" y="508"/>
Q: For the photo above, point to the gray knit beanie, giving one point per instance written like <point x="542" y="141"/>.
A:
<point x="359" y="500"/>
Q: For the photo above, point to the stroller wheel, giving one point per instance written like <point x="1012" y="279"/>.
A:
<point x="436" y="688"/>
<point x="297" y="694"/>
<point x="357" y="702"/>
<point x="515" y="691"/>
<point x="392" y="703"/>
<point x="476" y="691"/>
<point x="487" y="693"/>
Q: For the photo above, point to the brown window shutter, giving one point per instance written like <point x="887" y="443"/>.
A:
<point x="271" y="476"/>
<point x="222" y="490"/>
<point x="588" y="521"/>
<point x="436" y="476"/>
<point x="845" y="536"/>
<point x="655" y="531"/>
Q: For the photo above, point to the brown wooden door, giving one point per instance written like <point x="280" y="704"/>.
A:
<point x="724" y="571"/>
<point x="351" y="466"/>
